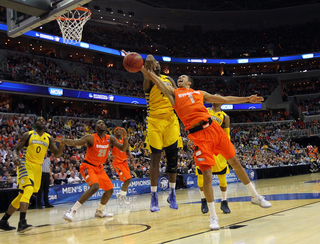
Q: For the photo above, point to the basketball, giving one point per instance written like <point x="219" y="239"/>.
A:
<point x="133" y="62"/>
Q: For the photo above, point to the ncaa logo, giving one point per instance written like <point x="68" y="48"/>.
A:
<point x="111" y="98"/>
<point x="190" y="181"/>
<point x="55" y="91"/>
<point x="163" y="183"/>
<point x="251" y="174"/>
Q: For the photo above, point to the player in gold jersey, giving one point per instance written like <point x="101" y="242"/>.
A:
<point x="163" y="133"/>
<point x="34" y="144"/>
<point x="221" y="167"/>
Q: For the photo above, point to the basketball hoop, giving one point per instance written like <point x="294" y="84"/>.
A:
<point x="71" y="24"/>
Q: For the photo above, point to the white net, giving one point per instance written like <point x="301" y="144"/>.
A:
<point x="71" y="24"/>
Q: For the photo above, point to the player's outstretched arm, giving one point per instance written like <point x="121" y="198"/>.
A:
<point x="53" y="148"/>
<point x="123" y="147"/>
<point x="79" y="142"/>
<point x="168" y="91"/>
<point x="207" y="97"/>
<point x="18" y="148"/>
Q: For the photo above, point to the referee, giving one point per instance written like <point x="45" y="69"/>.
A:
<point x="45" y="182"/>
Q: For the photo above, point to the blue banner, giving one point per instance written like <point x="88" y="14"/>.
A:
<point x="71" y="192"/>
<point x="191" y="179"/>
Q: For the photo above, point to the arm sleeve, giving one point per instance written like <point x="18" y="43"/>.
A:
<point x="227" y="131"/>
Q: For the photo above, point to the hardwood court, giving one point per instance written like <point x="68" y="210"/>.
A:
<point x="293" y="218"/>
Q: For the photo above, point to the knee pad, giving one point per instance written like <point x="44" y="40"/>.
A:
<point x="200" y="180"/>
<point x="172" y="160"/>
<point x="27" y="193"/>
<point x="222" y="180"/>
<point x="16" y="202"/>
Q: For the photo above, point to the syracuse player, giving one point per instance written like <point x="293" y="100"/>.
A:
<point x="221" y="167"/>
<point x="91" y="168"/>
<point x="209" y="138"/>
<point x="120" y="164"/>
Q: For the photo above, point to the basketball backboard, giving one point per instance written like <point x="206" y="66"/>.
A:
<point x="22" y="17"/>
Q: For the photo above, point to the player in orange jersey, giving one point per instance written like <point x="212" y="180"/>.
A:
<point x="119" y="163"/>
<point x="209" y="138"/>
<point x="91" y="168"/>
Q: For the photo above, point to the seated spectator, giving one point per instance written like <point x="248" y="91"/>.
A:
<point x="73" y="179"/>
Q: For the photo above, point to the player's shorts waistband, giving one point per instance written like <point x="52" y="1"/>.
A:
<point x="85" y="161"/>
<point x="200" y="127"/>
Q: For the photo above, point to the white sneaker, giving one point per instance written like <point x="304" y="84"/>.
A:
<point x="69" y="215"/>
<point x="118" y="195"/>
<point x="259" y="200"/>
<point x="124" y="199"/>
<point x="214" y="223"/>
<point x="102" y="214"/>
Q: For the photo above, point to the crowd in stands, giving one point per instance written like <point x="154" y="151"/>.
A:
<point x="310" y="106"/>
<point x="280" y="41"/>
<point x="258" y="146"/>
<point x="44" y="71"/>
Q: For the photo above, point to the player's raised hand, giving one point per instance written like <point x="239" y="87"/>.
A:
<point x="125" y="53"/>
<point x="255" y="99"/>
<point x="123" y="133"/>
<point x="150" y="63"/>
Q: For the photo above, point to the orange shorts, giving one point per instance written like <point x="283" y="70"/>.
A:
<point x="96" y="174"/>
<point x="209" y="141"/>
<point x="122" y="170"/>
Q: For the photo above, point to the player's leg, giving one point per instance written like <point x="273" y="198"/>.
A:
<point x="4" y="224"/>
<point x="243" y="176"/>
<point x="223" y="187"/>
<point x="226" y="149"/>
<point x="172" y="166"/>
<point x="123" y="171"/>
<point x="105" y="184"/>
<point x="208" y="192"/>
<point x="204" y="205"/>
<point x="88" y="173"/>
<point x="30" y="181"/>
<point x="171" y="143"/>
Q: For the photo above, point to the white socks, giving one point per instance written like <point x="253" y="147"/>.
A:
<point x="123" y="193"/>
<point x="172" y="185"/>
<point x="153" y="188"/>
<point x="101" y="207"/>
<point x="212" y="209"/>
<point x="252" y="190"/>
<point x="202" y="194"/>
<point x="224" y="195"/>
<point x="76" y="206"/>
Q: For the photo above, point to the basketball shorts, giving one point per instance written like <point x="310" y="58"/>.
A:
<point x="96" y="174"/>
<point x="162" y="133"/>
<point x="122" y="170"/>
<point x="208" y="142"/>
<point x="29" y="174"/>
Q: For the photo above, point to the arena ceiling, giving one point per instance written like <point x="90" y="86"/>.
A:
<point x="226" y="5"/>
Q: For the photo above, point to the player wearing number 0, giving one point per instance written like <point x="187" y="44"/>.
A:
<point x="29" y="170"/>
<point x="208" y="137"/>
<point x="221" y="167"/>
<point x="91" y="168"/>
<point x="120" y="165"/>
<point x="163" y="133"/>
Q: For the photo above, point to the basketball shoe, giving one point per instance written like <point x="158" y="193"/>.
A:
<point x="102" y="214"/>
<point x="172" y="199"/>
<point x="204" y="206"/>
<point x="23" y="226"/>
<point x="214" y="223"/>
<point x="154" y="206"/>
<point x="4" y="225"/>
<point x="224" y="207"/>
<point x="69" y="215"/>
<point x="259" y="200"/>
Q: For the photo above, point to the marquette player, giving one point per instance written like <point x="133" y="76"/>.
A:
<point x="163" y="133"/>
<point x="34" y="144"/>
<point x="91" y="168"/>
<point x="221" y="167"/>
<point x="120" y="164"/>
<point x="209" y="138"/>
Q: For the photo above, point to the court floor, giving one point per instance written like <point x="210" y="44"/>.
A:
<point x="293" y="218"/>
